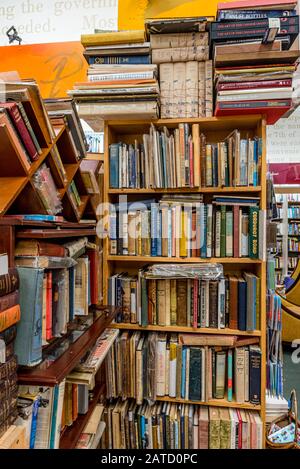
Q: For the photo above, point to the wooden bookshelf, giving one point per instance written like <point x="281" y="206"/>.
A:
<point x="185" y="330"/>
<point x="60" y="368"/>
<point x="216" y="129"/>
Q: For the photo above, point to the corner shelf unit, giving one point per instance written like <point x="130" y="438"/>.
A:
<point x="215" y="129"/>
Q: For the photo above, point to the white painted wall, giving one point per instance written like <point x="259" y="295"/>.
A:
<point x="42" y="21"/>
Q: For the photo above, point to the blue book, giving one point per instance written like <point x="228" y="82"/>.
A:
<point x="254" y="287"/>
<point x="28" y="343"/>
<point x="255" y="157"/>
<point x="114" y="166"/>
<point x="154" y="229"/>
<point x="41" y="217"/>
<point x="120" y="60"/>
<point x="71" y="293"/>
<point x="183" y="373"/>
<point x="159" y="234"/>
<point x="35" y="410"/>
<point x="242" y="304"/>
<point x="203" y="231"/>
<point x="232" y="15"/>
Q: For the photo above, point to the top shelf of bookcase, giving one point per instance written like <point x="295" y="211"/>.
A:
<point x="250" y="122"/>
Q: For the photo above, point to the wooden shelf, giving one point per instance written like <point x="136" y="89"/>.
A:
<point x="212" y="402"/>
<point x="56" y="233"/>
<point x="9" y="186"/>
<point x="201" y="190"/>
<point x="184" y="330"/>
<point x="95" y="156"/>
<point x="71" y="435"/>
<point x="183" y="260"/>
<point x="61" y="367"/>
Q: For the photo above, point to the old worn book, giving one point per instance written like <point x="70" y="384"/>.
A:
<point x="166" y="82"/>
<point x="9" y="282"/>
<point x="214" y="428"/>
<point x="39" y="248"/>
<point x="225" y="429"/>
<point x="201" y="89"/>
<point x="166" y="41"/>
<point x="112" y="37"/>
<point x="233" y="302"/>
<point x="14" y="438"/>
<point x="191" y="89"/>
<point x="180" y="54"/>
<point x="179" y="93"/>
<point x="161" y="302"/>
<point x="181" y="302"/>
<point x="208" y="88"/>
<point x="195" y="374"/>
<point x="203" y="427"/>
<point x="173" y="302"/>
<point x="9" y="317"/>
<point x="239" y="374"/>
<point x="220" y="374"/>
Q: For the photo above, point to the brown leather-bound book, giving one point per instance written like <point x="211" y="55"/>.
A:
<point x="181" y="302"/>
<point x="203" y="427"/>
<point x="161" y="302"/>
<point x="233" y="302"/>
<point x="16" y="144"/>
<point x="8" y="301"/>
<point x="213" y="303"/>
<point x="39" y="248"/>
<point x="9" y="317"/>
<point x="9" y="282"/>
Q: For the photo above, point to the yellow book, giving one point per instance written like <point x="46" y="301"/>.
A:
<point x="183" y="238"/>
<point x="173" y="303"/>
<point x="113" y="37"/>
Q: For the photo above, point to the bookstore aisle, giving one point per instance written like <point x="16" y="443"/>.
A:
<point x="141" y="305"/>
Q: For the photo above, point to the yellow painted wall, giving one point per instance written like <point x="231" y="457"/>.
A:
<point x="56" y="67"/>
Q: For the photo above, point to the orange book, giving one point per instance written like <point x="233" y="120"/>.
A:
<point x="74" y="401"/>
<point x="9" y="317"/>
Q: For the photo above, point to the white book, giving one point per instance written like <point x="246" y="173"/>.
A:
<point x="172" y="374"/>
<point x="255" y="96"/>
<point x="161" y="366"/>
<point x="256" y="91"/>
<point x="167" y="371"/>
<point x="196" y="429"/>
<point x="246" y="375"/>
<point x="3" y="264"/>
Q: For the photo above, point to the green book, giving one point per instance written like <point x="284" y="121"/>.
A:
<point x="253" y="232"/>
<point x="223" y="231"/>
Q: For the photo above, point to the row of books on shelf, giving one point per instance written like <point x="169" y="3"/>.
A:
<point x="179" y="426"/>
<point x="158" y="365"/>
<point x="293" y="245"/>
<point x="292" y="262"/>
<point x="280" y="198"/>
<point x="181" y="226"/>
<point x="54" y="289"/>
<point x="185" y="159"/>
<point x="294" y="229"/>
<point x="229" y="302"/>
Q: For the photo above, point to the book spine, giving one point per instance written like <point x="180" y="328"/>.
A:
<point x="9" y="282"/>
<point x="23" y="131"/>
<point x="285" y="22"/>
<point x="229" y="376"/>
<point x="231" y="15"/>
<point x="9" y="317"/>
<point x="254" y="85"/>
<point x="8" y="301"/>
<point x="195" y="374"/>
<point x="253" y="32"/>
<point x="120" y="60"/>
<point x="253" y="232"/>
<point x="255" y="376"/>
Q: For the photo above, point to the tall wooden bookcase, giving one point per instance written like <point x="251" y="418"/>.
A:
<point x="215" y="129"/>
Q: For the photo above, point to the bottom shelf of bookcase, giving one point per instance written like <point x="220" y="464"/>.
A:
<point x="182" y="329"/>
<point x="212" y="403"/>
<point x="70" y="436"/>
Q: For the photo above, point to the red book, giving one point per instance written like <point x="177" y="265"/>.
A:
<point x="254" y="85"/>
<point x="236" y="231"/>
<point x="93" y="256"/>
<point x="195" y="318"/>
<point x="9" y="317"/>
<point x="49" y="307"/>
<point x="257" y="4"/>
<point x="273" y="110"/>
<point x="8" y="301"/>
<point x="28" y="247"/>
<point x="20" y="125"/>
<point x="240" y="441"/>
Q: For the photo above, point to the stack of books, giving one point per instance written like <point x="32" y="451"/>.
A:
<point x="10" y="314"/>
<point x="179" y="426"/>
<point x="183" y="226"/>
<point x="180" y="46"/>
<point x="157" y="365"/>
<point x="185" y="157"/>
<point x="253" y="56"/>
<point x="122" y="82"/>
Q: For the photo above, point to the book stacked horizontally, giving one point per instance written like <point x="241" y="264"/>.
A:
<point x="122" y="82"/>
<point x="255" y="57"/>
<point x="10" y="314"/>
<point x="180" y="46"/>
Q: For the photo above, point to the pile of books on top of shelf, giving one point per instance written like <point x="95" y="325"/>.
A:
<point x="255" y="58"/>
<point x="122" y="82"/>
